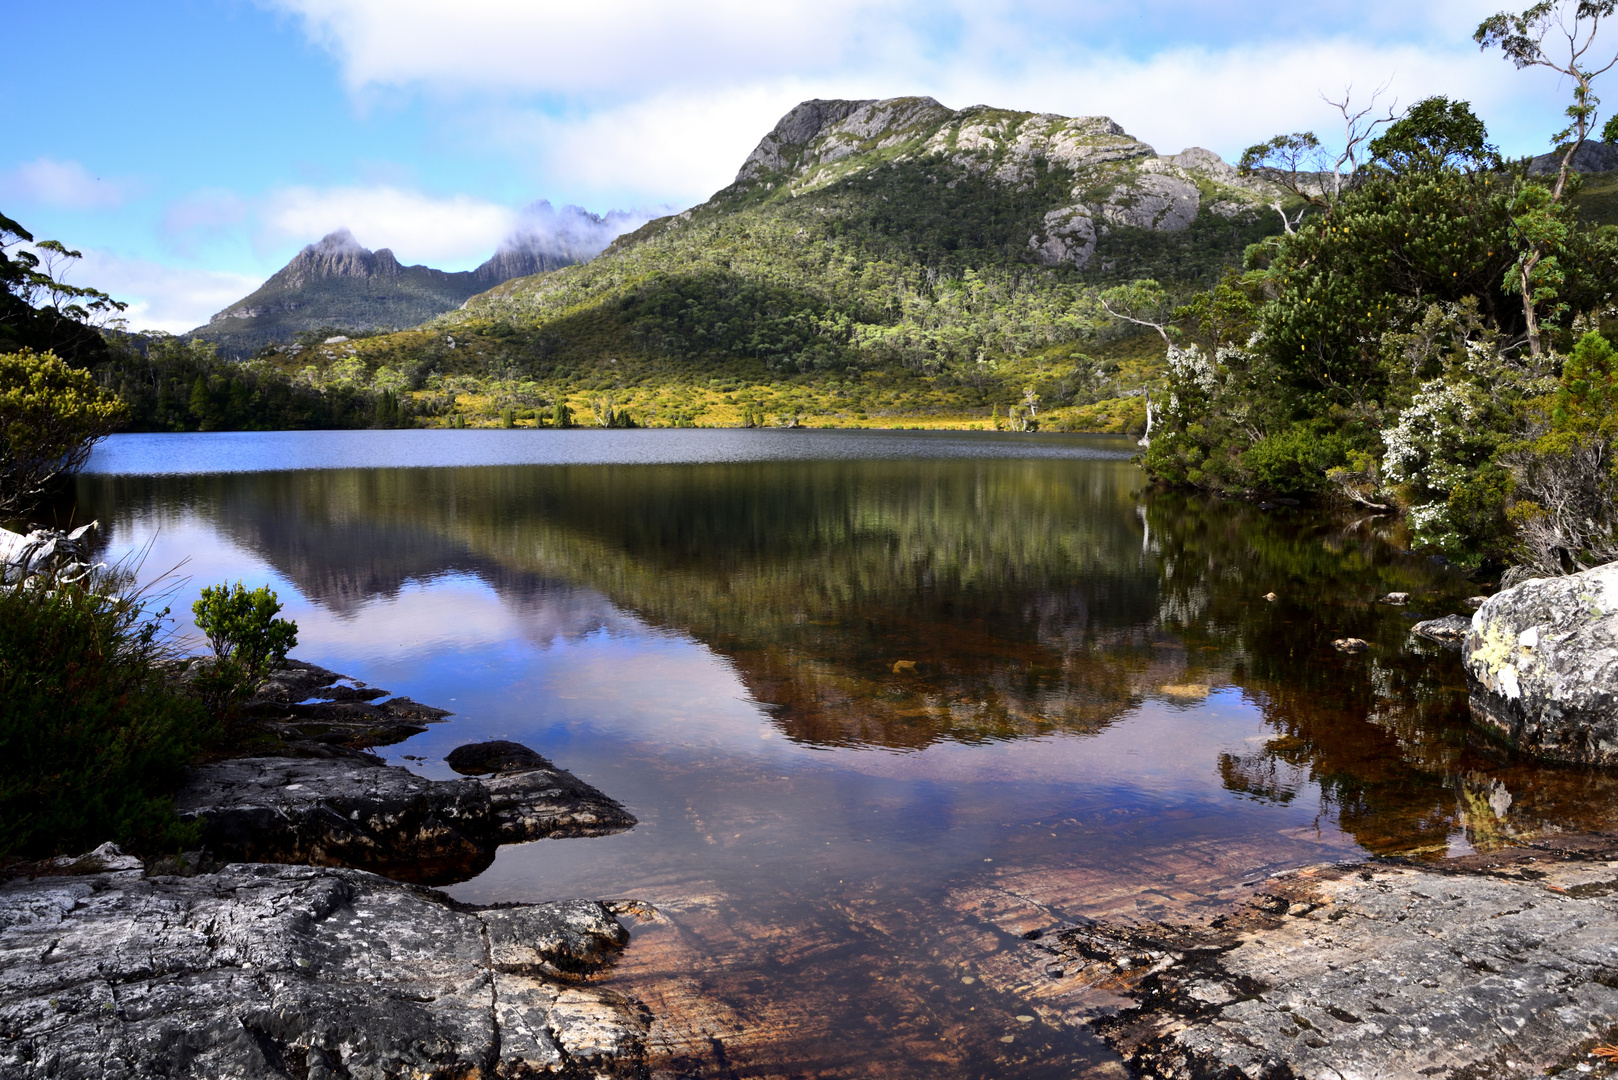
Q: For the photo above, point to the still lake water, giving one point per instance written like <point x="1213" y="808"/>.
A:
<point x="883" y="702"/>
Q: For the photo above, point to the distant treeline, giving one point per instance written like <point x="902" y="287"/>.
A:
<point x="175" y="385"/>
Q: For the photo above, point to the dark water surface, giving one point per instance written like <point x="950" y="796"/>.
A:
<point x="883" y="702"/>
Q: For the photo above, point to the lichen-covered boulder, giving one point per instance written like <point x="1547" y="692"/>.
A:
<point x="1542" y="664"/>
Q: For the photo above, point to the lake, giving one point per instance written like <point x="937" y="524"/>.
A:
<point x="884" y="702"/>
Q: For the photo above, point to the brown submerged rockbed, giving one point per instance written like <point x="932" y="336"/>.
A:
<point x="1502" y="965"/>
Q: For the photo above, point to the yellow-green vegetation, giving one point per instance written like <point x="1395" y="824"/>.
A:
<point x="1076" y="388"/>
<point x="50" y="417"/>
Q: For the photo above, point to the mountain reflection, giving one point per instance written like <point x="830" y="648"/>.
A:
<point x="900" y="603"/>
<point x="866" y="602"/>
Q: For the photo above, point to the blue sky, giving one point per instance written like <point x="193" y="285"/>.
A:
<point x="190" y="147"/>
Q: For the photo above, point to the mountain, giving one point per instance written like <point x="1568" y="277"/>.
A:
<point x="339" y="283"/>
<point x="548" y="239"/>
<point x="892" y="231"/>
<point x="872" y="260"/>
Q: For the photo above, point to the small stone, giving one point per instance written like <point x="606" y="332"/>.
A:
<point x="1450" y="630"/>
<point x="1024" y="1018"/>
<point x="1271" y="597"/>
<point x="1475" y="602"/>
<point x="1396" y="598"/>
<point x="1350" y="644"/>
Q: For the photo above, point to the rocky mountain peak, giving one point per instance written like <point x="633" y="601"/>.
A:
<point x="1116" y="179"/>
<point x="847" y="123"/>
<point x="338" y="254"/>
<point x="546" y="238"/>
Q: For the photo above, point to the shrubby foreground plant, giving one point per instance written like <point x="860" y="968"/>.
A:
<point x="248" y="643"/>
<point x="94" y="736"/>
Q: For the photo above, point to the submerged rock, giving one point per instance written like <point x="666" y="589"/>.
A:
<point x="303" y="710"/>
<point x="1448" y="630"/>
<point x="384" y="818"/>
<point x="1500" y="968"/>
<point x="1542" y="666"/>
<point x="282" y="971"/>
<point x="494" y="756"/>
<point x="1351" y="644"/>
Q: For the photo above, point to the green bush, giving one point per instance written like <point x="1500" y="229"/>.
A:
<point x="94" y="739"/>
<point x="248" y="642"/>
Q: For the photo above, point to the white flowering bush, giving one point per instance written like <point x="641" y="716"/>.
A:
<point x="1425" y="447"/>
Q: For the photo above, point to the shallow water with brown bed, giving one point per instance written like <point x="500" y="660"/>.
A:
<point x="884" y="704"/>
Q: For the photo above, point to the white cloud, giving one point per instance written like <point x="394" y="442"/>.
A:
<point x="607" y="45"/>
<point x="169" y="298"/>
<point x="65" y="184"/>
<point x="682" y="145"/>
<point x="205" y="211"/>
<point x="641" y="100"/>
<point x="446" y="233"/>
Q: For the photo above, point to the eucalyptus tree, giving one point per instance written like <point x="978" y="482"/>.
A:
<point x="1560" y="36"/>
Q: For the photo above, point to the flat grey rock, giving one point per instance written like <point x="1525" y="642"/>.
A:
<point x="334" y="812"/>
<point x="1542" y="666"/>
<point x="308" y="711"/>
<point x="280" y="971"/>
<point x="1382" y="971"/>
<point x="1448" y="630"/>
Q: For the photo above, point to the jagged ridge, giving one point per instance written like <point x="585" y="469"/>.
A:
<point x="339" y="282"/>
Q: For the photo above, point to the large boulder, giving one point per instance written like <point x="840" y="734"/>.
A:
<point x="291" y="971"/>
<point x="386" y="819"/>
<point x="1542" y="664"/>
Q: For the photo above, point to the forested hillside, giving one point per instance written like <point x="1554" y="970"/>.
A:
<point x="874" y="262"/>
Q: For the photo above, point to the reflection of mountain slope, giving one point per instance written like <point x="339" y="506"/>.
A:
<point x="343" y="563"/>
<point x="1013" y="591"/>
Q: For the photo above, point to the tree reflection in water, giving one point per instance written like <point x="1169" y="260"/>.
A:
<point x="896" y="604"/>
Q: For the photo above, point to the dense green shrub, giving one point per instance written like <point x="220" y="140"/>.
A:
<point x="248" y="643"/>
<point x="93" y="738"/>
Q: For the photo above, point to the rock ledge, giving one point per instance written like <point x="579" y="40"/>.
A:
<point x="283" y="971"/>
<point x="1500" y="966"/>
<point x="340" y="812"/>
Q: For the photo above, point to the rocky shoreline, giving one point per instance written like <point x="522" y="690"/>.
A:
<point x="274" y="951"/>
<point x="1484" y="966"/>
<point x="261" y="970"/>
<point x="277" y="952"/>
